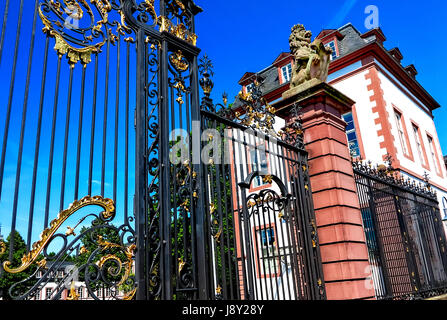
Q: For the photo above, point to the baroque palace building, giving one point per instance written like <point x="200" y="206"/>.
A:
<point x="393" y="113"/>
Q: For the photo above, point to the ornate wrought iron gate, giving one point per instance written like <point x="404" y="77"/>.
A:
<point x="262" y="230"/>
<point x="173" y="229"/>
<point x="404" y="233"/>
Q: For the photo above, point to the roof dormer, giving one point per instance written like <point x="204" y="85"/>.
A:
<point x="247" y="78"/>
<point x="284" y="64"/>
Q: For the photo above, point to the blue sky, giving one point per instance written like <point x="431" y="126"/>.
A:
<point x="239" y="36"/>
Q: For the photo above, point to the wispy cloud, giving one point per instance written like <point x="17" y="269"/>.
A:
<point x="98" y="183"/>
<point x="341" y="15"/>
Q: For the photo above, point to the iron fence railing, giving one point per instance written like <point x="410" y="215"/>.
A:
<point x="404" y="233"/>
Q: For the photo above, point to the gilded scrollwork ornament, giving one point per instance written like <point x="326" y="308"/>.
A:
<point x="46" y="236"/>
<point x="80" y="27"/>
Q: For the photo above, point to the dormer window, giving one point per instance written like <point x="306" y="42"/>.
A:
<point x="331" y="45"/>
<point x="250" y="87"/>
<point x="286" y="72"/>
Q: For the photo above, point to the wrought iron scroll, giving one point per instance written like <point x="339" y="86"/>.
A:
<point x="387" y="173"/>
<point x="106" y="253"/>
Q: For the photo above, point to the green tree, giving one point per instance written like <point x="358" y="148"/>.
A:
<point x="9" y="279"/>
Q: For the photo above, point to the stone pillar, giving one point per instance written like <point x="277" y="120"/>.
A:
<point x="339" y="223"/>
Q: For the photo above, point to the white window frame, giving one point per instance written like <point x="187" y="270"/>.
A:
<point x="249" y="87"/>
<point x="433" y="154"/>
<point x="354" y="130"/>
<point x="258" y="165"/>
<point x="419" y="144"/>
<point x="48" y="292"/>
<point x="286" y="72"/>
<point x="401" y="132"/>
<point x="334" y="54"/>
<point x="268" y="255"/>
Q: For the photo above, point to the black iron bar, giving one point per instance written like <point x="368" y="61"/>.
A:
<point x="5" y="20"/>
<point x="10" y="98"/>
<point x="140" y="207"/>
<point x="236" y="215"/>
<point x="93" y="126"/>
<point x="187" y="235"/>
<point x="173" y="183"/>
<point x="251" y="293"/>
<point x="191" y="197"/>
<point x="275" y="255"/>
<point x="201" y="224"/>
<point x="81" y="117"/>
<point x="117" y="103"/>
<point x="290" y="169"/>
<point x="126" y="146"/>
<point x="208" y="192"/>
<point x="238" y="209"/>
<point x="219" y="208"/>
<point x="67" y="129"/>
<point x="53" y="133"/>
<point x="104" y="128"/>
<point x="261" y="272"/>
<point x="227" y="177"/>
<point x="283" y="177"/>
<point x="211" y="242"/>
<point x="37" y="143"/>
<point x="297" y="215"/>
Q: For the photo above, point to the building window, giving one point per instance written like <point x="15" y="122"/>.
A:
<point x="417" y="138"/>
<point x="37" y="296"/>
<point x="268" y="255"/>
<point x="444" y="204"/>
<point x="47" y="293"/>
<point x="434" y="154"/>
<point x="250" y="87"/>
<point x="400" y="129"/>
<point x="353" y="142"/>
<point x="331" y="45"/>
<point x="286" y="72"/>
<point x="81" y="292"/>
<point x="259" y="163"/>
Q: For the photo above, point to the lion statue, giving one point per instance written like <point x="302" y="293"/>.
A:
<point x="311" y="58"/>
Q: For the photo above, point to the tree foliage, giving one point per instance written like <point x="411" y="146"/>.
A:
<point x="9" y="279"/>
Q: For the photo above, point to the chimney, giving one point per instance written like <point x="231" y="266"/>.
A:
<point x="396" y="54"/>
<point x="411" y="69"/>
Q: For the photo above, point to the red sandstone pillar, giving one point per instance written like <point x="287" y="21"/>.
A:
<point x="339" y="223"/>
